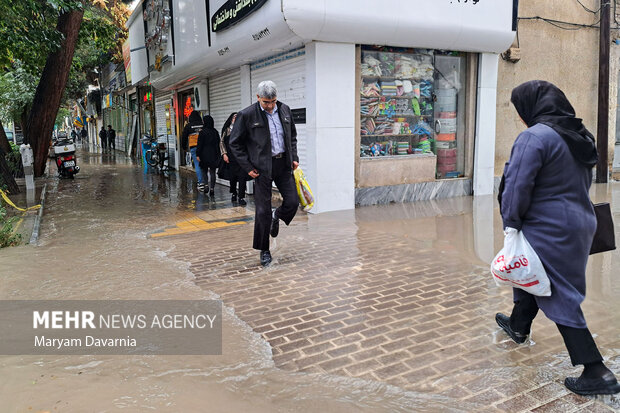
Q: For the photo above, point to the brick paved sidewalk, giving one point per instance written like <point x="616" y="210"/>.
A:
<point x="380" y="295"/>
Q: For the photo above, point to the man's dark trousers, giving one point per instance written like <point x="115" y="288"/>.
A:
<point x="282" y="175"/>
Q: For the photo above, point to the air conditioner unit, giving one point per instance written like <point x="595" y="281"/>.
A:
<point x="201" y="97"/>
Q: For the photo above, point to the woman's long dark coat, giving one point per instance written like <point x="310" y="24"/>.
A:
<point x="208" y="145"/>
<point x="546" y="196"/>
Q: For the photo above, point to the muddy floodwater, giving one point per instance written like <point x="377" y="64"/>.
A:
<point x="94" y="245"/>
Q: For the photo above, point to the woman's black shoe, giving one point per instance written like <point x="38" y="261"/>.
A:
<point x="607" y="384"/>
<point x="504" y="322"/>
<point x="242" y="201"/>
<point x="233" y="198"/>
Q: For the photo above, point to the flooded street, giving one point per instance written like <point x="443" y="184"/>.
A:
<point x="99" y="240"/>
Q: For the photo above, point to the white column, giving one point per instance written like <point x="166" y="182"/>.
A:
<point x="246" y="87"/>
<point x="330" y="122"/>
<point x="484" y="154"/>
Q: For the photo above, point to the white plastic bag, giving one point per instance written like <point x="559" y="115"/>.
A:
<point x="517" y="265"/>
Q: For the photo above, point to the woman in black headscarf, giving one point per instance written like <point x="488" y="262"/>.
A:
<point x="208" y="152"/>
<point x="237" y="176"/>
<point x="544" y="193"/>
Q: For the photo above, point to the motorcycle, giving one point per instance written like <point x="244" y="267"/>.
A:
<point x="64" y="152"/>
<point x="157" y="153"/>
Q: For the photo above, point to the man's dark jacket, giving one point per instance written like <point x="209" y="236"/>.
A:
<point x="250" y="140"/>
<point x="111" y="134"/>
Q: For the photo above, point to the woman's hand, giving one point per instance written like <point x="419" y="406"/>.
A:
<point x="225" y="158"/>
<point x="198" y="158"/>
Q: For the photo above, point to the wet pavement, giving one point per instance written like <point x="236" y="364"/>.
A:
<point x="379" y="309"/>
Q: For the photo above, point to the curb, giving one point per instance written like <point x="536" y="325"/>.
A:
<point x="37" y="222"/>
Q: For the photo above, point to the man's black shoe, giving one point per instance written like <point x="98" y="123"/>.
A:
<point x="608" y="384"/>
<point x="242" y="201"/>
<point x="504" y="322"/>
<point x="275" y="225"/>
<point x="233" y="198"/>
<point x="265" y="258"/>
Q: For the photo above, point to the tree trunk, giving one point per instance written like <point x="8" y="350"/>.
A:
<point x="6" y="174"/>
<point x="4" y="141"/>
<point x="51" y="88"/>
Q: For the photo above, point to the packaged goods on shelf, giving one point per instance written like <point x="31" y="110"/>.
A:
<point x="445" y="144"/>
<point x="371" y="89"/>
<point x="446" y="156"/>
<point x="446" y="137"/>
<point x="426" y="88"/>
<point x="445" y="125"/>
<point x="403" y="148"/>
<point x="387" y="64"/>
<point x="424" y="144"/>
<point x="371" y="66"/>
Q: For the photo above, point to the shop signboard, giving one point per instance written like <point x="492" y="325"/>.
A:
<point x="232" y="12"/>
<point x="127" y="60"/>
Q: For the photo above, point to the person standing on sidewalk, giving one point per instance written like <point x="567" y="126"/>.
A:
<point x="238" y="177"/>
<point x="189" y="141"/>
<point x="264" y="143"/>
<point x="84" y="134"/>
<point x="111" y="138"/>
<point x="208" y="151"/>
<point x="545" y="195"/>
<point x="103" y="136"/>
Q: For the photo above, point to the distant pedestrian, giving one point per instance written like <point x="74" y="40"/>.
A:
<point x="545" y="195"/>
<point x="111" y="137"/>
<point x="238" y="177"/>
<point x="189" y="142"/>
<point x="264" y="143"/>
<point x="103" y="136"/>
<point x="84" y="134"/>
<point x="208" y="152"/>
<point x="74" y="135"/>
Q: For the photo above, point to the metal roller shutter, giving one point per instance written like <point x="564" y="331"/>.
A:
<point x="288" y="71"/>
<point x="224" y="96"/>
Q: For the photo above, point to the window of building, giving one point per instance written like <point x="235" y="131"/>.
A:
<point x="411" y="104"/>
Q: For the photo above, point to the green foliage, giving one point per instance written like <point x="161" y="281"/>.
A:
<point x="28" y="30"/>
<point x="14" y="159"/>
<point x="7" y="237"/>
<point x="17" y="89"/>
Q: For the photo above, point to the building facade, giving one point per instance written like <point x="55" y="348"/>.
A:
<point x="391" y="104"/>
<point x="558" y="41"/>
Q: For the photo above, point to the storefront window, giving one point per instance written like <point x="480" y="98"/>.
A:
<point x="411" y="104"/>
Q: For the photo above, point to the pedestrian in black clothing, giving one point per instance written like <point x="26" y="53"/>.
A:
<point x="84" y="134"/>
<point x="189" y="142"/>
<point x="208" y="152"/>
<point x="264" y="143"/>
<point x="103" y="136"/>
<point x="111" y="137"/>
<point x="238" y="177"/>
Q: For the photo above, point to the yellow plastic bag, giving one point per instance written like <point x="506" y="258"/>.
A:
<point x="306" y="199"/>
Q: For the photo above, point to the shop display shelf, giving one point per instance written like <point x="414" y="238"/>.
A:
<point x="414" y="79"/>
<point x="397" y="115"/>
<point x="391" y="134"/>
<point x="421" y="98"/>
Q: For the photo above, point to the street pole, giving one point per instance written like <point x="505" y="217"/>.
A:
<point x="602" y="130"/>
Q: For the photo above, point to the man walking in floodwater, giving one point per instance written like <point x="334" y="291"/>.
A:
<point x="264" y="143"/>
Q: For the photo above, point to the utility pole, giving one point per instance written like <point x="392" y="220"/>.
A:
<point x="602" y="129"/>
